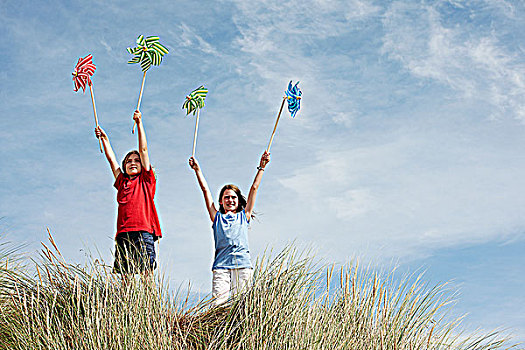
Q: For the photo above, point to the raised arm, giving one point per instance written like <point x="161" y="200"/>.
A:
<point x="108" y="151"/>
<point x="250" y="202"/>
<point x="208" y="199"/>
<point x="143" y="145"/>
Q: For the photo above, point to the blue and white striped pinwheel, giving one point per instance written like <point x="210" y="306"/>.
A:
<point x="293" y="95"/>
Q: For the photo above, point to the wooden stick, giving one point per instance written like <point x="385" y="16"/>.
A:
<point x="140" y="99"/>
<point x="95" y="114"/>
<point x="275" y="127"/>
<point x="195" y="133"/>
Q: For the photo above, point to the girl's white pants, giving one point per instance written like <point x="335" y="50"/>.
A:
<point x="229" y="282"/>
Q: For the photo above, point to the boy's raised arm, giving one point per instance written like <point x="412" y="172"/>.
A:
<point x="108" y="151"/>
<point x="210" y="206"/>
<point x="143" y="145"/>
<point x="250" y="202"/>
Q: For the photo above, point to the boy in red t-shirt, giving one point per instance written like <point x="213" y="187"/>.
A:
<point x="137" y="221"/>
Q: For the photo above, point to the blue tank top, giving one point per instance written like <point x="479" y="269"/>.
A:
<point x="230" y="232"/>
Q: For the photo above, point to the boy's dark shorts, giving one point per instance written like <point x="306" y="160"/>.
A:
<point x="134" y="252"/>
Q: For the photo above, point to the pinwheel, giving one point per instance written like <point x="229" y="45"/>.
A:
<point x="148" y="52"/>
<point x="83" y="72"/>
<point x="194" y="102"/>
<point x="82" y="77"/>
<point x="293" y="96"/>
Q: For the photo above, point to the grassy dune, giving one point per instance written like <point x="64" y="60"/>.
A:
<point x="293" y="304"/>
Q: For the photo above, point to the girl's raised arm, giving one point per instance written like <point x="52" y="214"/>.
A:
<point x="143" y="145"/>
<point x="108" y="151"/>
<point x="250" y="202"/>
<point x="210" y="206"/>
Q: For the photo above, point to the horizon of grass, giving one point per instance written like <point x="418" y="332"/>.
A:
<point x="294" y="303"/>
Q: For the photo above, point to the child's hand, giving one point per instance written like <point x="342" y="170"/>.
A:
<point x="100" y="133"/>
<point x="194" y="164"/>
<point x="265" y="159"/>
<point x="137" y="116"/>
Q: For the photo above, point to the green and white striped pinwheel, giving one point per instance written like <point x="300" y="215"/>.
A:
<point x="148" y="52"/>
<point x="195" y="100"/>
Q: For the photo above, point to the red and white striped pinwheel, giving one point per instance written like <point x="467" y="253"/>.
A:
<point x="83" y="72"/>
<point x="82" y="78"/>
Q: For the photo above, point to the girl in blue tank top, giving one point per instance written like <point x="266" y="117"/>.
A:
<point x="232" y="267"/>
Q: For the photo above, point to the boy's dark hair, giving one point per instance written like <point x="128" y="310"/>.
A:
<point x="241" y="198"/>
<point x="123" y="168"/>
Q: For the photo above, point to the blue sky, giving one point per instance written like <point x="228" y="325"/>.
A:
<point x="408" y="149"/>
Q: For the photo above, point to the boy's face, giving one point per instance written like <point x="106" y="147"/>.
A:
<point x="229" y="201"/>
<point x="133" y="165"/>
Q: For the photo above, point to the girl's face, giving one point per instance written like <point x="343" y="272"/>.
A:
<point x="230" y="201"/>
<point x="133" y="165"/>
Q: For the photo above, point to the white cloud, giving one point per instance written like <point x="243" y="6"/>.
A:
<point x="343" y="118"/>
<point x="408" y="197"/>
<point x="191" y="39"/>
<point x="479" y="67"/>
<point x="281" y="41"/>
<point x="507" y="8"/>
<point x="352" y="203"/>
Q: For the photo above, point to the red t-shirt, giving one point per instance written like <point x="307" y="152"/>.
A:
<point x="136" y="209"/>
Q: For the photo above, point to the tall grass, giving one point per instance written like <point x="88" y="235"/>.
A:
<point x="293" y="304"/>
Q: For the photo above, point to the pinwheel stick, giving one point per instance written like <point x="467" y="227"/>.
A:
<point x="195" y="133"/>
<point x="95" y="114"/>
<point x="140" y="99"/>
<point x="275" y="127"/>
